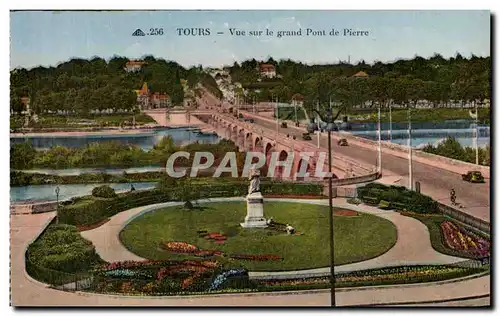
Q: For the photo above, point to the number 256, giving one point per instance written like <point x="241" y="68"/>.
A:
<point x="155" y="31"/>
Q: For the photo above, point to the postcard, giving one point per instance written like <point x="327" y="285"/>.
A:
<point x="250" y="158"/>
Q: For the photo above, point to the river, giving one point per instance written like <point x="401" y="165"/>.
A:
<point x="146" y="140"/>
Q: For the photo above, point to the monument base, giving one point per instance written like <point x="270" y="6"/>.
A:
<point x="255" y="212"/>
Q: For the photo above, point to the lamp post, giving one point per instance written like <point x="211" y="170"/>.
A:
<point x="57" y="205"/>
<point x="329" y="128"/>
<point x="410" y="152"/>
<point x="379" y="149"/>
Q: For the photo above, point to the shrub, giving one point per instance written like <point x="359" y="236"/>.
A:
<point x="61" y="248"/>
<point x="398" y="197"/>
<point x="104" y="191"/>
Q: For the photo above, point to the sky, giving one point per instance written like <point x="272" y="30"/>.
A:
<point x="47" y="38"/>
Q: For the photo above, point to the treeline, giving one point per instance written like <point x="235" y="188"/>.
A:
<point x="113" y="154"/>
<point x="435" y="79"/>
<point x="451" y="148"/>
<point x="81" y="85"/>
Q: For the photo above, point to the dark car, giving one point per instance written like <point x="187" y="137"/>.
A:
<point x="342" y="142"/>
<point x="284" y="125"/>
<point x="473" y="176"/>
<point x="306" y="136"/>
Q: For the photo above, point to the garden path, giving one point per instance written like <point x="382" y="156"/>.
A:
<point x="27" y="292"/>
<point x="413" y="246"/>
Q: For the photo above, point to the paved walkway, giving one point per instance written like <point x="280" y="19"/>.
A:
<point x="28" y="292"/>
<point x="412" y="247"/>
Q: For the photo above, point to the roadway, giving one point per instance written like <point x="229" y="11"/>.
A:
<point x="434" y="181"/>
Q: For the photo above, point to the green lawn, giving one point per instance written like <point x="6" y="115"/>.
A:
<point x="357" y="238"/>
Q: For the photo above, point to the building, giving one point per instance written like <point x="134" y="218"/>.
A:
<point x="159" y="100"/>
<point x="267" y="70"/>
<point x="146" y="99"/>
<point x="133" y="65"/>
<point x="297" y="99"/>
<point x="361" y="74"/>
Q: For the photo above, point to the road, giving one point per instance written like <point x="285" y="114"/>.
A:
<point x="434" y="182"/>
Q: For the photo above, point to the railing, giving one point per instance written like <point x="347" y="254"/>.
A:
<point x="358" y="179"/>
<point x="465" y="218"/>
<point x="58" y="279"/>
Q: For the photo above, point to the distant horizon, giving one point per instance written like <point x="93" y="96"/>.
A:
<point x="209" y="38"/>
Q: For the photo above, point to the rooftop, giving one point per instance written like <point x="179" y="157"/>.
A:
<point x="361" y="74"/>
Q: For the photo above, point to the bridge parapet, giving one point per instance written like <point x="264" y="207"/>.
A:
<point x="342" y="162"/>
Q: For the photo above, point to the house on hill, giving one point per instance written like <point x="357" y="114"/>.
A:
<point x="133" y="65"/>
<point x="297" y="99"/>
<point x="267" y="70"/>
<point x="146" y="99"/>
<point x="360" y="74"/>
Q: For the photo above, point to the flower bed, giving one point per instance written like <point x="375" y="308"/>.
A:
<point x="459" y="238"/>
<point x="255" y="257"/>
<point x="393" y="275"/>
<point x="196" y="277"/>
<point x="344" y="212"/>
<point x="154" y="276"/>
<point x="181" y="247"/>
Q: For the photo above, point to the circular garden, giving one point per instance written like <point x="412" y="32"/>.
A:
<point x="213" y="231"/>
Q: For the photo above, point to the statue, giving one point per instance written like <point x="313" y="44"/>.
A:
<point x="254" y="177"/>
<point x="255" y="203"/>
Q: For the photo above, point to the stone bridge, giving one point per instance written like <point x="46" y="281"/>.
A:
<point x="249" y="137"/>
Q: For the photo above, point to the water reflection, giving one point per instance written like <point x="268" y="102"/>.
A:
<point x="145" y="140"/>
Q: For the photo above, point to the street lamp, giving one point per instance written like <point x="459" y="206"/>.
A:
<point x="329" y="127"/>
<point x="57" y="205"/>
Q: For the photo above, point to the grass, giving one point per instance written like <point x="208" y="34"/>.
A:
<point x="357" y="238"/>
<point x="433" y="223"/>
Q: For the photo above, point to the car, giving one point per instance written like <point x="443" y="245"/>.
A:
<point x="284" y="125"/>
<point x="306" y="136"/>
<point x="473" y="176"/>
<point x="342" y="142"/>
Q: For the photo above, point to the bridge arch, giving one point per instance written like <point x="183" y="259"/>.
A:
<point x="299" y="176"/>
<point x="258" y="144"/>
<point x="268" y="149"/>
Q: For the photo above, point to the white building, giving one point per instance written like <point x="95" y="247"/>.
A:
<point x="133" y="65"/>
<point x="267" y="70"/>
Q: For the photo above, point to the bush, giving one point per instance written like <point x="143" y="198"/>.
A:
<point x="61" y="248"/>
<point x="398" y="197"/>
<point x="104" y="191"/>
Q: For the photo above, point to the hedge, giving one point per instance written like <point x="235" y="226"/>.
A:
<point x="58" y="254"/>
<point x="104" y="191"/>
<point x="397" y="197"/>
<point x="90" y="211"/>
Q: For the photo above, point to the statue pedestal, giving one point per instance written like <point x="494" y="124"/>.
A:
<point x="255" y="212"/>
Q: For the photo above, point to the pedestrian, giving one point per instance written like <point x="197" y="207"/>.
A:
<point x="132" y="188"/>
<point x="453" y="196"/>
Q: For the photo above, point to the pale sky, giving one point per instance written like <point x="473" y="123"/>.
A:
<point x="48" y="38"/>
